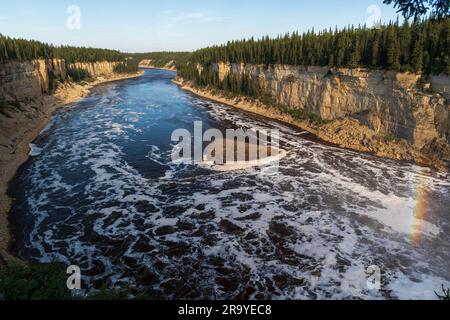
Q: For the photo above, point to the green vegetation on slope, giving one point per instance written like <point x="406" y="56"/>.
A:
<point x="128" y="66"/>
<point x="78" y="75"/>
<point x="37" y="282"/>
<point x="235" y="85"/>
<point x="48" y="282"/>
<point x="421" y="46"/>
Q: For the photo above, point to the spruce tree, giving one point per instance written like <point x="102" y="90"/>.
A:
<point x="417" y="56"/>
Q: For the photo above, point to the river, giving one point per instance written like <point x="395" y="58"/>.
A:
<point x="100" y="191"/>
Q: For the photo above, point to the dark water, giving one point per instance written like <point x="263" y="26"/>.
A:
<point x="100" y="192"/>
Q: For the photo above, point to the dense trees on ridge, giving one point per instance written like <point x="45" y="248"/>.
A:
<point x="421" y="46"/>
<point x="12" y="49"/>
<point x="128" y="66"/>
<point x="24" y="50"/>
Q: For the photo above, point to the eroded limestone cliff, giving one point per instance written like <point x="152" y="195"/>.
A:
<point x="29" y="80"/>
<point x="401" y="105"/>
<point x="20" y="81"/>
<point x="96" y="69"/>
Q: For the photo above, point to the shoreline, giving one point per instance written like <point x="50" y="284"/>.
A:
<point x="15" y="146"/>
<point x="345" y="133"/>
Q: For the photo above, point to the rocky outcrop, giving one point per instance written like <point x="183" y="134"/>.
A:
<point x="21" y="81"/>
<point x="95" y="69"/>
<point x="29" y="80"/>
<point x="390" y="103"/>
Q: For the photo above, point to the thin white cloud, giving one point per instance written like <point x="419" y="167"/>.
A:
<point x="174" y="19"/>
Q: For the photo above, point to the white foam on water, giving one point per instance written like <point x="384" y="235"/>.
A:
<point x="308" y="232"/>
<point x="396" y="213"/>
<point x="423" y="288"/>
<point x="35" y="150"/>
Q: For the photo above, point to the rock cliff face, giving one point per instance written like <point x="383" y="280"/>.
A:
<point x="96" y="69"/>
<point x="388" y="102"/>
<point x="20" y="81"/>
<point x="29" y="80"/>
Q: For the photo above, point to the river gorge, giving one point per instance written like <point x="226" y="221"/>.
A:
<point x="100" y="191"/>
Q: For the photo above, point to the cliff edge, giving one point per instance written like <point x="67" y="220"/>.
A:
<point x="395" y="115"/>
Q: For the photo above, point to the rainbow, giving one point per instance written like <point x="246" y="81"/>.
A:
<point x="419" y="211"/>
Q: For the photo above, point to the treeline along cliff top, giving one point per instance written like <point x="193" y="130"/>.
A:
<point x="422" y="46"/>
<point x="12" y="49"/>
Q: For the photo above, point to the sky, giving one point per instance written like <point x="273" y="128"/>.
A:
<point x="177" y="25"/>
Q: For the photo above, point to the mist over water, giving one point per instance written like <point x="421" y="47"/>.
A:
<point x="100" y="192"/>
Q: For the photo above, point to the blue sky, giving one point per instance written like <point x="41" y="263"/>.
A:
<point x="140" y="26"/>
